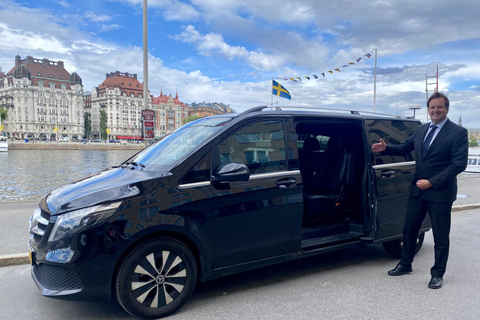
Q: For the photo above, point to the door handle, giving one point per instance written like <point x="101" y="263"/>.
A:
<point x="388" y="174"/>
<point x="285" y="183"/>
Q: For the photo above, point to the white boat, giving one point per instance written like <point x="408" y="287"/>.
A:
<point x="3" y="143"/>
<point x="473" y="164"/>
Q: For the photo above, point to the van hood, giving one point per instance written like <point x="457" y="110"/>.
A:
<point x="105" y="186"/>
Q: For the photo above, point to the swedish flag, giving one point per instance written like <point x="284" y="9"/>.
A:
<point x="280" y="91"/>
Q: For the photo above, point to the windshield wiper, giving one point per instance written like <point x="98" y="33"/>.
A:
<point x="132" y="163"/>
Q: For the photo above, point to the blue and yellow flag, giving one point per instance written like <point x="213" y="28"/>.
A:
<point x="280" y="91"/>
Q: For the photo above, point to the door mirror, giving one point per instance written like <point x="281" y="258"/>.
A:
<point x="231" y="172"/>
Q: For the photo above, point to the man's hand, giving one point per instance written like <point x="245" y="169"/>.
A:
<point x="424" y="184"/>
<point x="379" y="147"/>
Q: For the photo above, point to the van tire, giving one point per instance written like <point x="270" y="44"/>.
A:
<point x="145" y="289"/>
<point x="394" y="247"/>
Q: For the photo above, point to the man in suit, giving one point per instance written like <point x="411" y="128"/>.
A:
<point x="441" y="153"/>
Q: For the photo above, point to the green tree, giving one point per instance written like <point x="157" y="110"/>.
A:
<point x="103" y="124"/>
<point x="87" y="119"/>
<point x="473" y="142"/>
<point x="190" y="119"/>
<point x="3" y="113"/>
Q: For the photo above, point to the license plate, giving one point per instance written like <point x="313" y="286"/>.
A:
<point x="31" y="257"/>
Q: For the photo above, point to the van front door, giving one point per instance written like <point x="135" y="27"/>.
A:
<point x="254" y="219"/>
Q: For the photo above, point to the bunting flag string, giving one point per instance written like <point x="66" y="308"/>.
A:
<point x="298" y="79"/>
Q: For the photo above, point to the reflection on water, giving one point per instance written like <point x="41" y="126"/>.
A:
<point x="31" y="174"/>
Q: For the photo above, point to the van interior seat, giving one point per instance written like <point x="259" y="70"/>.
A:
<point x="332" y="183"/>
<point x="310" y="161"/>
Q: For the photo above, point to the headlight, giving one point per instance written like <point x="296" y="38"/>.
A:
<point x="78" y="220"/>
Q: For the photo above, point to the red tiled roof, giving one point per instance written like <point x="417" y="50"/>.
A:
<point x="46" y="73"/>
<point x="163" y="98"/>
<point x="126" y="82"/>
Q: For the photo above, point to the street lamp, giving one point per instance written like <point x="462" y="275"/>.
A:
<point x="414" y="108"/>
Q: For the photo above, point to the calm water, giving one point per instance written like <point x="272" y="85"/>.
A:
<point x="31" y="174"/>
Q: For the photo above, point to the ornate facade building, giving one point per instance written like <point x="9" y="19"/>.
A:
<point x="43" y="100"/>
<point x="169" y="113"/>
<point x="209" y="109"/>
<point x="120" y="95"/>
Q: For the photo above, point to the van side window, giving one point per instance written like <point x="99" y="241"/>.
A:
<point x="392" y="132"/>
<point x="199" y="172"/>
<point x="259" y="145"/>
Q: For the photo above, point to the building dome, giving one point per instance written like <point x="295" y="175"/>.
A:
<point x="75" y="79"/>
<point x="21" y="71"/>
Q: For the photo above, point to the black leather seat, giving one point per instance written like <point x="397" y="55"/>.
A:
<point x="332" y="184"/>
<point x="310" y="160"/>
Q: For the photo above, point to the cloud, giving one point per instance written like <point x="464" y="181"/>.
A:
<point x="213" y="43"/>
<point x="64" y="3"/>
<point x="17" y="39"/>
<point x="172" y="10"/>
<point x="109" y="27"/>
<point x="97" y="18"/>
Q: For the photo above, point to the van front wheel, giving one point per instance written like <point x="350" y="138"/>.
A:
<point x="156" y="278"/>
<point x="394" y="247"/>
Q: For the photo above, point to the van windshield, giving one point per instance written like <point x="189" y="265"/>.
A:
<point x="167" y="151"/>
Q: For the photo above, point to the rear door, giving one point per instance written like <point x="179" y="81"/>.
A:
<point x="393" y="176"/>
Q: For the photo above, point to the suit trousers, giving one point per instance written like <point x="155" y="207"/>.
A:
<point x="440" y="216"/>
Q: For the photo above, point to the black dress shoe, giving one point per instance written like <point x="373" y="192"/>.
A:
<point x="435" y="283"/>
<point x="399" y="270"/>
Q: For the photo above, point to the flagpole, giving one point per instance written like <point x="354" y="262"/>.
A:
<point x="375" y="83"/>
<point x="271" y="90"/>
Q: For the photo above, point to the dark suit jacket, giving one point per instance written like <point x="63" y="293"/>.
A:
<point x="445" y="159"/>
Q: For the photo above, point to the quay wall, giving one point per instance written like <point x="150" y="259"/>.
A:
<point x="73" y="146"/>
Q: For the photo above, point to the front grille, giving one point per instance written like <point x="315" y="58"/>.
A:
<point x="38" y="224"/>
<point x="56" y="277"/>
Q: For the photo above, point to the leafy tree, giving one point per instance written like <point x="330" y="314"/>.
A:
<point x="473" y="142"/>
<point x="191" y="118"/>
<point x="103" y="124"/>
<point x="3" y="113"/>
<point x="87" y="124"/>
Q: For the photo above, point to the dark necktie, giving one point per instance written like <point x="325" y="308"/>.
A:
<point x="428" y="139"/>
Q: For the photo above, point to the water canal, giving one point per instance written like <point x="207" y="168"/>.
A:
<point x="31" y="174"/>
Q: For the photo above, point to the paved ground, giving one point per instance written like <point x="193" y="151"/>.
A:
<point x="347" y="284"/>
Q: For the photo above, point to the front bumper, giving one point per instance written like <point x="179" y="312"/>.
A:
<point x="56" y="280"/>
<point x="80" y="266"/>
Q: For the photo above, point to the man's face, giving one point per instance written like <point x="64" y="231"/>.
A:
<point x="437" y="110"/>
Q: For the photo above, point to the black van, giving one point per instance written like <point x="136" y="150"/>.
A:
<point x="222" y="195"/>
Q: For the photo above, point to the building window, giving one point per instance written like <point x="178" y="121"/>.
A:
<point x="50" y="76"/>
<point x="39" y="74"/>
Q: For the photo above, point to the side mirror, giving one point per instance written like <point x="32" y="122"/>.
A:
<point x="231" y="172"/>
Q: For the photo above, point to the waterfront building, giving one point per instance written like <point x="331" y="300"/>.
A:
<point x="170" y="113"/>
<point x="209" y="109"/>
<point x="120" y="96"/>
<point x="43" y="100"/>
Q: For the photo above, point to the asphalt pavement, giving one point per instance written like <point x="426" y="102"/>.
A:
<point x="15" y="215"/>
<point x="347" y="284"/>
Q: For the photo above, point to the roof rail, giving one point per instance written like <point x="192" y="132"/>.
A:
<point x="255" y="109"/>
<point x="356" y="112"/>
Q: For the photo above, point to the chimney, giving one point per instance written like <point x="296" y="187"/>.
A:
<point x="18" y="60"/>
<point x="29" y="59"/>
<point x="45" y="62"/>
<point x="60" y="64"/>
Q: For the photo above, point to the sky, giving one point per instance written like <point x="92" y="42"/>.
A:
<point x="230" y="50"/>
